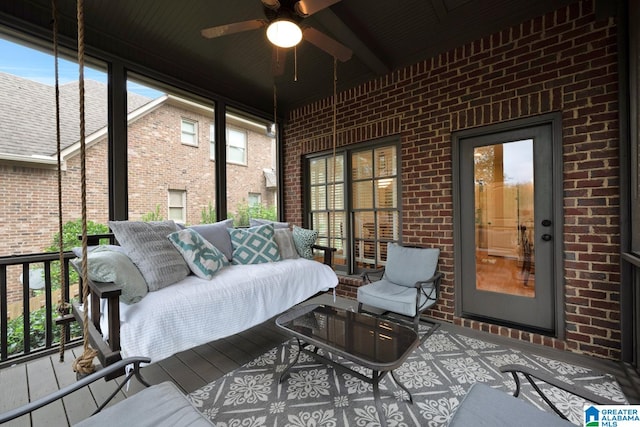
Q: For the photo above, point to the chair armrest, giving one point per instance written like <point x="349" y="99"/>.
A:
<point x="83" y="382"/>
<point x="435" y="279"/>
<point x="328" y="253"/>
<point x="532" y="374"/>
<point x="365" y="276"/>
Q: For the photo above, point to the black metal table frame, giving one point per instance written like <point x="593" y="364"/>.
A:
<point x="377" y="375"/>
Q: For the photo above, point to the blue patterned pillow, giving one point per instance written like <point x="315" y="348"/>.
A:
<point x="202" y="257"/>
<point x="303" y="240"/>
<point x="254" y="245"/>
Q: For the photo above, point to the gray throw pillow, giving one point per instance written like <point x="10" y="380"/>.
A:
<point x="254" y="222"/>
<point x="217" y="235"/>
<point x="147" y="245"/>
<point x="105" y="265"/>
<point x="284" y="239"/>
<point x="406" y="266"/>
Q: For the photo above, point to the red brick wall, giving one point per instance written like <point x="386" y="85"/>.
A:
<point x="159" y="162"/>
<point x="564" y="61"/>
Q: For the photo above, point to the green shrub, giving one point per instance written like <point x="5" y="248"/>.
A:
<point x="208" y="214"/>
<point x="153" y="216"/>
<point x="244" y="212"/>
<point x="15" y="332"/>
<point x="70" y="232"/>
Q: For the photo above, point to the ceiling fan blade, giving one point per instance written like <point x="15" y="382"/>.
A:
<point x="326" y="43"/>
<point x="278" y="58"/>
<point x="237" y="27"/>
<point x="271" y="4"/>
<point x="305" y="8"/>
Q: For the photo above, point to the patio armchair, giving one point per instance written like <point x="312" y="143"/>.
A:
<point x="407" y="285"/>
<point x="487" y="406"/>
<point x="156" y="405"/>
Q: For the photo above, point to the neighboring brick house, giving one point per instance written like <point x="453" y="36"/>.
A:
<point x="163" y="170"/>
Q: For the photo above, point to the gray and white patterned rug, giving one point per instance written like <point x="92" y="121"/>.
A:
<point x="438" y="375"/>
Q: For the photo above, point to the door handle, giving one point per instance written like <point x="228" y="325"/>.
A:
<point x="546" y="237"/>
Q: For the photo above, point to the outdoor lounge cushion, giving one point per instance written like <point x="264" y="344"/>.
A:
<point x="486" y="406"/>
<point x="161" y="405"/>
<point x="396" y="290"/>
<point x="406" y="266"/>
<point x="389" y="296"/>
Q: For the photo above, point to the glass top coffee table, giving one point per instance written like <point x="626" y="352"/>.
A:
<point x="372" y="342"/>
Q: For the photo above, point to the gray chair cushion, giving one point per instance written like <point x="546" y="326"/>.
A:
<point x="389" y="296"/>
<point x="406" y="266"/>
<point x="485" y="406"/>
<point x="161" y="405"/>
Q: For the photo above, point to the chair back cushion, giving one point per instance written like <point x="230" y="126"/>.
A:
<point x="406" y="266"/>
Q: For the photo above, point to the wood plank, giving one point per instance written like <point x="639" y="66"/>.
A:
<point x="101" y="390"/>
<point x="42" y="382"/>
<point x="200" y="365"/>
<point x="217" y="359"/>
<point x="79" y="404"/>
<point x="182" y="374"/>
<point x="227" y="347"/>
<point x="14" y="393"/>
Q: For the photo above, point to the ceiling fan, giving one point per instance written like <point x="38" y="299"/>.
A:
<point x="283" y="30"/>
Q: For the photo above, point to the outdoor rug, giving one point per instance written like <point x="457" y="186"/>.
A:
<point x="438" y="375"/>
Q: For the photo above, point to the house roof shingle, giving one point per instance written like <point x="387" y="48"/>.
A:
<point x="27" y="114"/>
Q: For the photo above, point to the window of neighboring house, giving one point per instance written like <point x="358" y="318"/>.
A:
<point x="255" y="199"/>
<point x="236" y="146"/>
<point x="370" y="189"/>
<point x="212" y="141"/>
<point x="189" y="132"/>
<point x="178" y="205"/>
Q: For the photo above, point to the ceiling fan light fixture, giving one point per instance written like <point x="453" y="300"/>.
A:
<point x="284" y="33"/>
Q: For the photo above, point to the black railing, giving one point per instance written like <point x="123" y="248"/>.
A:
<point x="43" y="345"/>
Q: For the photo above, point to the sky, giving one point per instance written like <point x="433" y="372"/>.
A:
<point x="35" y="65"/>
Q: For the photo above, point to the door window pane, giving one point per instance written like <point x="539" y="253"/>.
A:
<point x="504" y="221"/>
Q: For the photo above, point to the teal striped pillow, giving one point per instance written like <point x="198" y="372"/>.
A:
<point x="204" y="259"/>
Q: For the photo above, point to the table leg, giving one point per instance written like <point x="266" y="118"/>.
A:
<point x="402" y="386"/>
<point x="286" y="370"/>
<point x="376" y="398"/>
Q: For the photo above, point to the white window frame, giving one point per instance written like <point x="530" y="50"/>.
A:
<point x="187" y="137"/>
<point x="212" y="141"/>
<point x="182" y="206"/>
<point x="232" y="143"/>
<point x="254" y="199"/>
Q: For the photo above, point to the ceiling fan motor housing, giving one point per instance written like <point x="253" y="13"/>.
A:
<point x="285" y="11"/>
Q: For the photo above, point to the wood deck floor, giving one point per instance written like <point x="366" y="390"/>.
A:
<point x="191" y="370"/>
